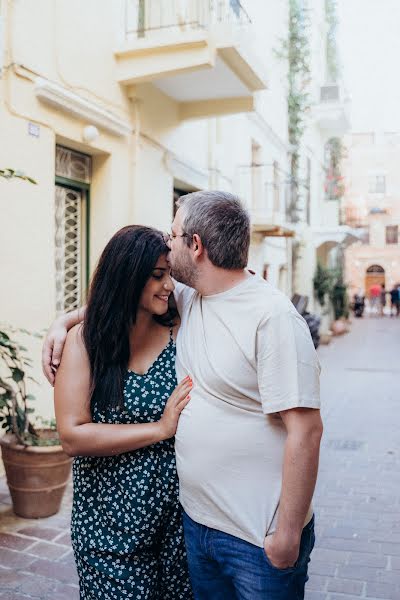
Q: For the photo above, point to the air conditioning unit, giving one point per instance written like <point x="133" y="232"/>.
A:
<point x="330" y="93"/>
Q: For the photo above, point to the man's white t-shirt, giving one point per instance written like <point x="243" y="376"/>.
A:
<point x="250" y="355"/>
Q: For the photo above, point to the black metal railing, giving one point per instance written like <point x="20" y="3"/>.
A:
<point x="145" y="16"/>
<point x="269" y="189"/>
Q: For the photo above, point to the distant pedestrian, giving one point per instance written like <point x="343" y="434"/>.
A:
<point x="358" y="303"/>
<point x="383" y="299"/>
<point x="394" y="302"/>
<point x="374" y="298"/>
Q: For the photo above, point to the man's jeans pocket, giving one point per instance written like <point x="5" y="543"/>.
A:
<point x="306" y="545"/>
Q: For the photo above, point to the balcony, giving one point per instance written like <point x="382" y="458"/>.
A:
<point x="354" y="214"/>
<point x="265" y="191"/>
<point x="197" y="52"/>
<point x="332" y="112"/>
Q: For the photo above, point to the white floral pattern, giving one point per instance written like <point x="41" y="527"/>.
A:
<point x="126" y="525"/>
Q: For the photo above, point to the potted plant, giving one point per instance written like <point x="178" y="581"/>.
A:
<point x="323" y="280"/>
<point x="36" y="466"/>
<point x="339" y="300"/>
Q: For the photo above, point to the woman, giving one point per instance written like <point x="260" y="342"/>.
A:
<point x="117" y="408"/>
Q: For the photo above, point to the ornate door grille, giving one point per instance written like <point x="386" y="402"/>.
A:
<point x="73" y="172"/>
<point x="68" y="248"/>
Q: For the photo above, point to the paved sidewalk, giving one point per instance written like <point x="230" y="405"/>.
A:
<point x="358" y="492"/>
<point x="35" y="554"/>
<point x="358" y="495"/>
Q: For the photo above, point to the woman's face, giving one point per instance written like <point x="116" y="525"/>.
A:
<point x="159" y="287"/>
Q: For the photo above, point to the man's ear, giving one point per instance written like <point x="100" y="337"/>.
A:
<point x="197" y="245"/>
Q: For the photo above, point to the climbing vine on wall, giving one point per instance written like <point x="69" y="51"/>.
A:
<point x="296" y="50"/>
<point x="334" y="182"/>
<point x="332" y="58"/>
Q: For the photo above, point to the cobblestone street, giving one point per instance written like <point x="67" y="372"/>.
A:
<point x="35" y="555"/>
<point x="358" y="494"/>
<point x="357" y="501"/>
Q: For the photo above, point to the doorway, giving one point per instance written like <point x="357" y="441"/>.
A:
<point x="375" y="275"/>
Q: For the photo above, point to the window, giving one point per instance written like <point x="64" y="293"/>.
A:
<point x="73" y="173"/>
<point x="392" y="234"/>
<point x="176" y="195"/>
<point x="235" y="6"/>
<point x="377" y="184"/>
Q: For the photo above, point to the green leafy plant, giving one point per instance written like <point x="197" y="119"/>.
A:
<point x="329" y="285"/>
<point x="296" y="50"/>
<point x="324" y="280"/>
<point x="14" y="398"/>
<point x="332" y="54"/>
<point x="334" y="182"/>
<point x="13" y="174"/>
<point x="339" y="297"/>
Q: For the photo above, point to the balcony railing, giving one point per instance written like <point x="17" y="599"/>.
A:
<point x="332" y="111"/>
<point x="269" y="193"/>
<point x="142" y="17"/>
<point x="354" y="216"/>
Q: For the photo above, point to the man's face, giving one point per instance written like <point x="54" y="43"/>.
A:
<point x="180" y="257"/>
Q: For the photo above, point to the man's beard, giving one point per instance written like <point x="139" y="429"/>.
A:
<point x="185" y="272"/>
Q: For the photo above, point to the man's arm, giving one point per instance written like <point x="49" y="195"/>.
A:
<point x="55" y="340"/>
<point x="300" y="468"/>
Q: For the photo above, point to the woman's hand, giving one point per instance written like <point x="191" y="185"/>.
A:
<point x="175" y="405"/>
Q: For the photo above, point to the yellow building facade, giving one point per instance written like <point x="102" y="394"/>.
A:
<point x="117" y="107"/>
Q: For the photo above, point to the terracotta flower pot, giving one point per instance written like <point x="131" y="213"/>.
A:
<point x="338" y="327"/>
<point x="36" y="475"/>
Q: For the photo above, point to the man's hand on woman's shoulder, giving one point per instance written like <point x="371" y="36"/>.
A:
<point x="55" y="340"/>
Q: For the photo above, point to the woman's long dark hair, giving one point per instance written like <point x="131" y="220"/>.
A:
<point x="124" y="267"/>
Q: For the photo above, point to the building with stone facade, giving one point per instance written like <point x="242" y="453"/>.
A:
<point x="371" y="206"/>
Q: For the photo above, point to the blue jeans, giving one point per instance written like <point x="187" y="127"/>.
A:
<point x="224" y="567"/>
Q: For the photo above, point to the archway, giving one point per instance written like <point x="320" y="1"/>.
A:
<point x="375" y="275"/>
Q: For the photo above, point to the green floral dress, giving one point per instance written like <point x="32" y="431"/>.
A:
<point x="126" y="524"/>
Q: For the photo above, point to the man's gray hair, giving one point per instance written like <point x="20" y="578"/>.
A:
<point x="222" y="224"/>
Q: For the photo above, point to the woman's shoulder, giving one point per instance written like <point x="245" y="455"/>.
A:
<point x="75" y="334"/>
<point x="74" y="344"/>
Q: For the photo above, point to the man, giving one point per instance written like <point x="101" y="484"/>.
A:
<point x="247" y="446"/>
<point x="394" y="301"/>
<point x="374" y="298"/>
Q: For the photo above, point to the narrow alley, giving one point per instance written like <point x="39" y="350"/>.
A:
<point x="357" y="503"/>
<point x="358" y="499"/>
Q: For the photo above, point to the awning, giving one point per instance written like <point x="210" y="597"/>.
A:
<point x="269" y="230"/>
